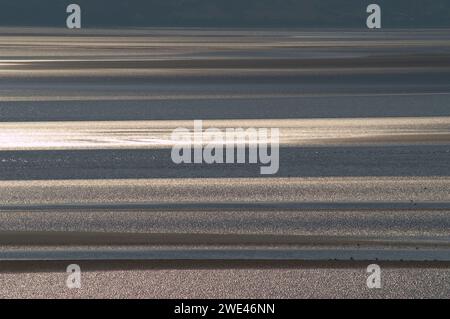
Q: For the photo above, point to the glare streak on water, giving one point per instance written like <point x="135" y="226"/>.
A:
<point x="157" y="134"/>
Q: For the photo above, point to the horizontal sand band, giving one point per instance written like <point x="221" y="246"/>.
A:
<point x="157" y="134"/>
<point x="226" y="190"/>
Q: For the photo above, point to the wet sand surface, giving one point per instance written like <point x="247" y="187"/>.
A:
<point x="86" y="173"/>
<point x="223" y="279"/>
